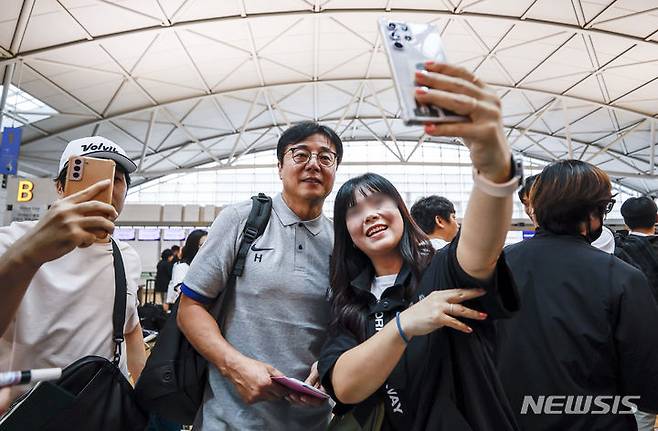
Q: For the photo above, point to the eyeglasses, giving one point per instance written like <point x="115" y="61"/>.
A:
<point x="302" y="156"/>
<point x="608" y="205"/>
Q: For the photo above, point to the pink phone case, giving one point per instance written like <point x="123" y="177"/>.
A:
<point x="299" y="386"/>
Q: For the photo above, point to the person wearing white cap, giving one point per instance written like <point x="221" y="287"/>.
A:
<point x="58" y="276"/>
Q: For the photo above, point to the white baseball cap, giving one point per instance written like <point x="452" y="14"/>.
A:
<point x="97" y="146"/>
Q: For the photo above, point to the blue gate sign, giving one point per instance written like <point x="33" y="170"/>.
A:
<point x="9" y="149"/>
<point x="527" y="234"/>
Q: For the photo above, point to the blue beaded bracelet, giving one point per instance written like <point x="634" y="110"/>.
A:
<point x="400" y="331"/>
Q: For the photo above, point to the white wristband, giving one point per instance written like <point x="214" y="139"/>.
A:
<point x="500" y="190"/>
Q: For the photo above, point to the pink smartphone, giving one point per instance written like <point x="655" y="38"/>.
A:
<point x="300" y="387"/>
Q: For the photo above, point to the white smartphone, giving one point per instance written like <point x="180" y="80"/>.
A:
<point x="408" y="46"/>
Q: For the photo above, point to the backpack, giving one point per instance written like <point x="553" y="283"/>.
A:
<point x="175" y="376"/>
<point x="639" y="252"/>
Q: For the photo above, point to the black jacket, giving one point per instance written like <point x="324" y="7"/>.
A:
<point x="588" y="327"/>
<point x="445" y="380"/>
<point x="642" y="253"/>
<point x="163" y="275"/>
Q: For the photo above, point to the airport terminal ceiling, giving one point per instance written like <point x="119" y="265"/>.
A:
<point x="182" y="84"/>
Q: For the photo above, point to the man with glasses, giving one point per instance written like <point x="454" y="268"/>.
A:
<point x="276" y="322"/>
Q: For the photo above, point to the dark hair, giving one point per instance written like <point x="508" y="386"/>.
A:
<point x="566" y="193"/>
<point x="349" y="308"/>
<point x="303" y="130"/>
<point x="61" y="178"/>
<point x="175" y="248"/>
<point x="166" y="254"/>
<point x="426" y="209"/>
<point x="524" y="191"/>
<point x="639" y="212"/>
<point x="191" y="247"/>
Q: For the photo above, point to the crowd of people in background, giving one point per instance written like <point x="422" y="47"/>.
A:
<point x="406" y="318"/>
<point x="173" y="266"/>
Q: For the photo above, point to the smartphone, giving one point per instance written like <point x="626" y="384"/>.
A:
<point x="408" y="46"/>
<point x="83" y="172"/>
<point x="300" y="387"/>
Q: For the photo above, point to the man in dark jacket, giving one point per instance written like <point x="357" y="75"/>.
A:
<point x="640" y="249"/>
<point x="163" y="273"/>
<point x="640" y="246"/>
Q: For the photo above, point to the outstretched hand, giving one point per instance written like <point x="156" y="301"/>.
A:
<point x="441" y="308"/>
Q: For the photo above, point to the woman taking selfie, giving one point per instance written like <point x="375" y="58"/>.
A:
<point x="402" y="333"/>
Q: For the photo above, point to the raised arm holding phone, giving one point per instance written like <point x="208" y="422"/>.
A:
<point x="67" y="225"/>
<point x="61" y="270"/>
<point x="411" y="330"/>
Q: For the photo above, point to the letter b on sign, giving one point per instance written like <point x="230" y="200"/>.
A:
<point x="25" y="188"/>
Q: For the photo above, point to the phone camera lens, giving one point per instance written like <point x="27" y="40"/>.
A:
<point x="77" y="161"/>
<point x="404" y="27"/>
<point x="391" y="26"/>
<point x="398" y="45"/>
<point x="76" y="168"/>
<point x="76" y="175"/>
<point x="395" y="35"/>
<point x="408" y="38"/>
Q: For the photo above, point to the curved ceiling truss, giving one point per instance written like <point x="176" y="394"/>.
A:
<point x="184" y="83"/>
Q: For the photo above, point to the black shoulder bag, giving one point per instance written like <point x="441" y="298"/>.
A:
<point x="172" y="383"/>
<point x="92" y="393"/>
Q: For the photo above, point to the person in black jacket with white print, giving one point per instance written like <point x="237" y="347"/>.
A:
<point x="397" y="334"/>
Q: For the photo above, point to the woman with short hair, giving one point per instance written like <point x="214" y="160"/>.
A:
<point x="588" y="325"/>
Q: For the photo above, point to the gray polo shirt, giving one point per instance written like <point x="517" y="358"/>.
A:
<point x="278" y="315"/>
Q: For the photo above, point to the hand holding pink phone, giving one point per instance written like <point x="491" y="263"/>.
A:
<point x="300" y="387"/>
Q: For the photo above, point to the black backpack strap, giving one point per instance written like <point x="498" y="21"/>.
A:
<point x="261" y="208"/>
<point x="119" y="310"/>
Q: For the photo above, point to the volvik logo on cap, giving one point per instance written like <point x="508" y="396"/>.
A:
<point x="98" y="147"/>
